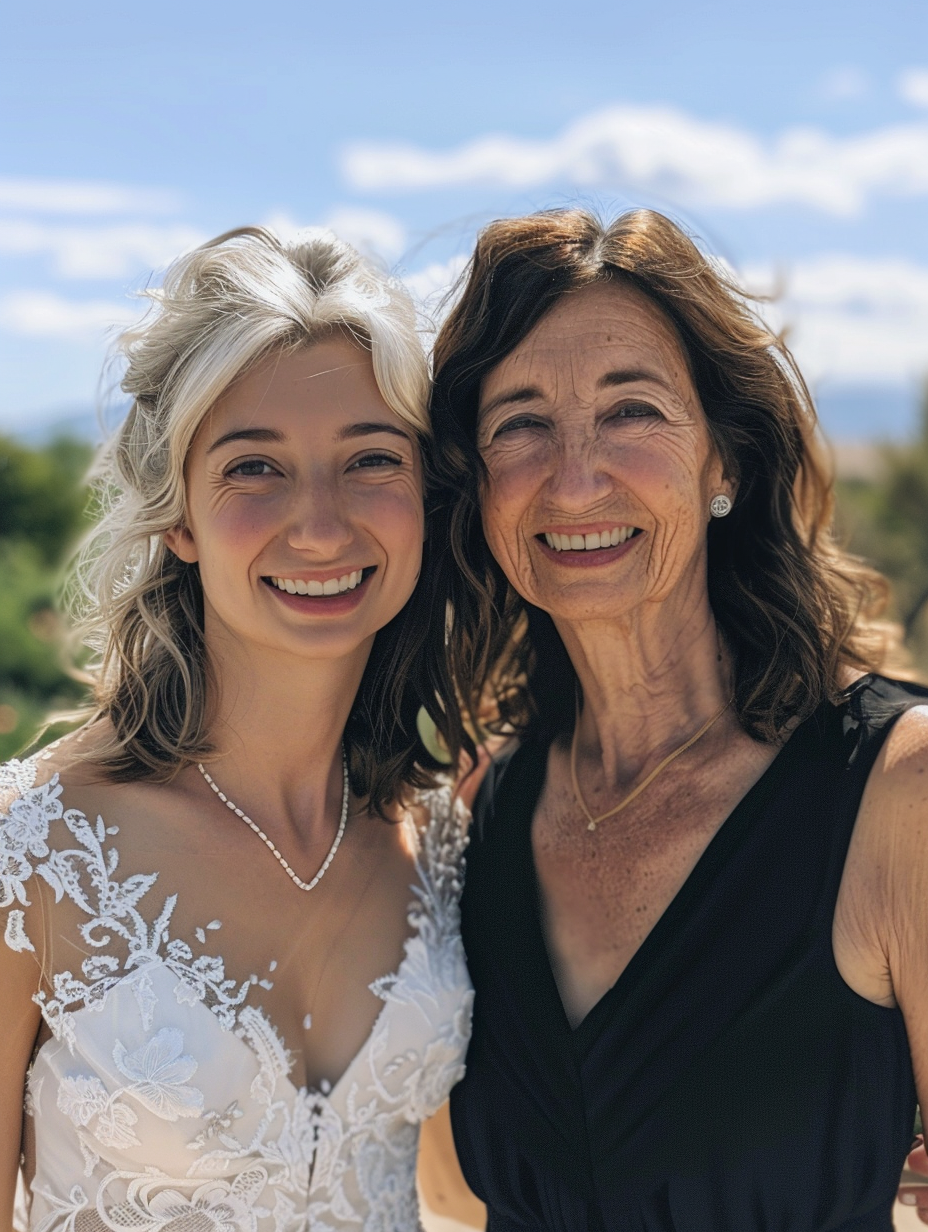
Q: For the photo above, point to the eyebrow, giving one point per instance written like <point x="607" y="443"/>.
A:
<point x="609" y="380"/>
<point x="627" y="376"/>
<point x="248" y="434"/>
<point x="273" y="436"/>
<point x="370" y="429"/>
<point x="527" y="394"/>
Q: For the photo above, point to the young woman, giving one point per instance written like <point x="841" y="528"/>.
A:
<point x="232" y="989"/>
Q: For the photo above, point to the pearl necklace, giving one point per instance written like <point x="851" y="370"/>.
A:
<point x="302" y="885"/>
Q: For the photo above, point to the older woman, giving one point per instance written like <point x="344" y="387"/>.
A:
<point x="696" y="908"/>
<point x="231" y="991"/>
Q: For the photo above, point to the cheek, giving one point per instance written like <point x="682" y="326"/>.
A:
<point x="511" y="483"/>
<point x="502" y="515"/>
<point x="396" y="515"/>
<point x="228" y="521"/>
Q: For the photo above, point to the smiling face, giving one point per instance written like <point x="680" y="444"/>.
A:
<point x="305" y="512"/>
<point x="600" y="464"/>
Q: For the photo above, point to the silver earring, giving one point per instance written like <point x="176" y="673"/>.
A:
<point x="720" y="506"/>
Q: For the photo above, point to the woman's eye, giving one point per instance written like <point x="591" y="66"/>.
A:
<point x="635" y="410"/>
<point x="251" y="468"/>
<point x="376" y="459"/>
<point x="517" y="423"/>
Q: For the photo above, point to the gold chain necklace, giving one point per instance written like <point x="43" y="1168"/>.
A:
<point x="301" y="885"/>
<point x="688" y="744"/>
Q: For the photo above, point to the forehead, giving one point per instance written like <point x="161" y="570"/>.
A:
<point x="334" y="373"/>
<point x="607" y="326"/>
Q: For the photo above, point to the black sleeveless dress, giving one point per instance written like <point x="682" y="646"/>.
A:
<point x="730" y="1081"/>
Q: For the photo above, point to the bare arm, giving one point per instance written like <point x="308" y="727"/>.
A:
<point x="441" y="1181"/>
<point x="896" y="815"/>
<point x="19" y="1025"/>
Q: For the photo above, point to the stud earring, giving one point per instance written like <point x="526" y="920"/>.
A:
<point x="720" y="506"/>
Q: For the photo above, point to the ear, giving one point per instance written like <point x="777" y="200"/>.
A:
<point x="181" y="543"/>
<point x="720" y="482"/>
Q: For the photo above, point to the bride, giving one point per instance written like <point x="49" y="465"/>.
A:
<point x="232" y="986"/>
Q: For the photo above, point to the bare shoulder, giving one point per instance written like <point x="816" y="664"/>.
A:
<point x="22" y="774"/>
<point x="892" y="830"/>
<point x="899" y="780"/>
<point x="71" y="763"/>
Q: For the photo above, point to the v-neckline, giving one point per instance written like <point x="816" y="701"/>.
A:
<point x="630" y="985"/>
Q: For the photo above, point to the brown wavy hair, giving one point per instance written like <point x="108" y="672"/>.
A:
<point x="792" y="606"/>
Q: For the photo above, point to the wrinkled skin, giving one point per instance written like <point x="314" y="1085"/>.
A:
<point x="593" y="422"/>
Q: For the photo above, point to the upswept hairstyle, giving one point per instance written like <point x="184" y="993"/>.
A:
<point x="791" y="605"/>
<point x="221" y="309"/>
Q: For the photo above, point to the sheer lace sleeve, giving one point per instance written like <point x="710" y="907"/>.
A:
<point x="25" y="815"/>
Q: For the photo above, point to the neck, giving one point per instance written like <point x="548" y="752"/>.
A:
<point x="277" y="724"/>
<point x="648" y="682"/>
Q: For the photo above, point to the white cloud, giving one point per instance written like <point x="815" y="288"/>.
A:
<point x="44" y="314"/>
<point x="851" y="319"/>
<point x="664" y="150"/>
<point x="115" y="251"/>
<point x="429" y="285"/>
<point x="844" y="84"/>
<point x="913" y="86"/>
<point x="430" y="288"/>
<point x="370" y="231"/>
<point x="83" y="197"/>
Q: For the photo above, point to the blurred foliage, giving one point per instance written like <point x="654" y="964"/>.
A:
<point x="884" y="518"/>
<point x="42" y="513"/>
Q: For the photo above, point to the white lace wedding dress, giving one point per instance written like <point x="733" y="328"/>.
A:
<point x="162" y="1096"/>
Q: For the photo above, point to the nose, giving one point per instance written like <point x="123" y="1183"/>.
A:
<point x="318" y="521"/>
<point x="579" y="479"/>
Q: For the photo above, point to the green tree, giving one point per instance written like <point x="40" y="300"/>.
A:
<point x="885" y="519"/>
<point x="42" y="512"/>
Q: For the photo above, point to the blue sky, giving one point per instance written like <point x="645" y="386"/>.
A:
<point x="793" y="139"/>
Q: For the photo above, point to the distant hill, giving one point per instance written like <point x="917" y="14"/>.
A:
<point x="82" y="422"/>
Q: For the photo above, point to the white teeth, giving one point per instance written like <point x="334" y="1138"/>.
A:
<point x="588" y="543"/>
<point x="331" y="586"/>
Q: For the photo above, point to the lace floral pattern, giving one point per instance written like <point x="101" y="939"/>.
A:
<point x="164" y="1099"/>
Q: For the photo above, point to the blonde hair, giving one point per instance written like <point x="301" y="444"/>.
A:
<point x="222" y="309"/>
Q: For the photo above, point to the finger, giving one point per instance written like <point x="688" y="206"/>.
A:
<point x="470" y="779"/>
<point x="918" y="1160"/>
<point x="915" y="1197"/>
